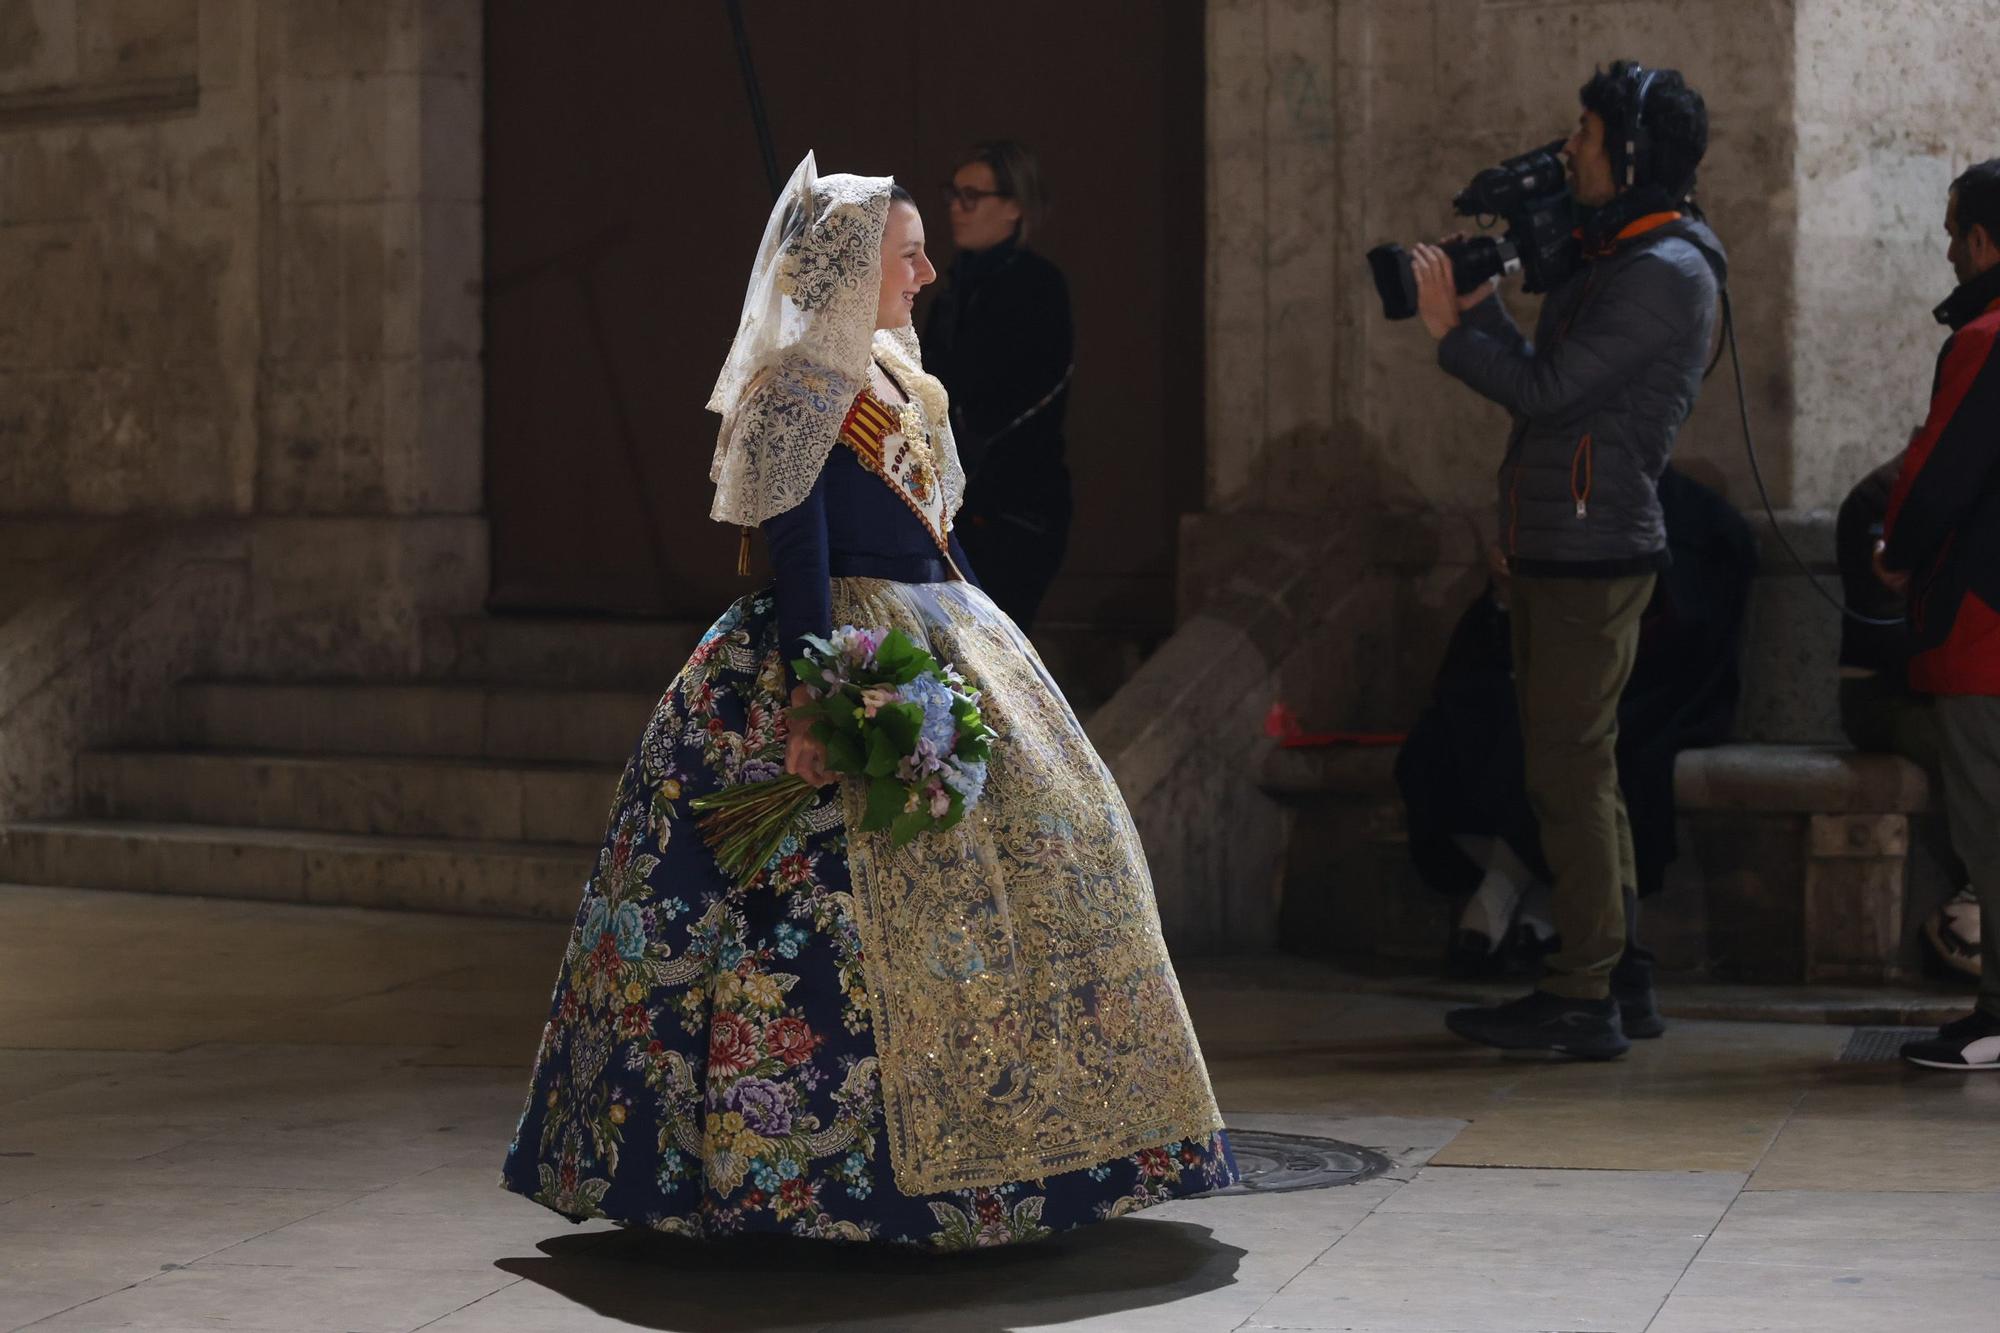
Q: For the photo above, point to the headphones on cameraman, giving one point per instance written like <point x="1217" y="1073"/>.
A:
<point x="1638" y="139"/>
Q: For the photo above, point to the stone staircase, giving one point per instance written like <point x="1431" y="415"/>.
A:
<point x="480" y="786"/>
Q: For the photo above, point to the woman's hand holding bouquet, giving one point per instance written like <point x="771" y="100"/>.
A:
<point x="888" y="715"/>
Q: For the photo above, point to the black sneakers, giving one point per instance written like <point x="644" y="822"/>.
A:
<point x="1969" y="1043"/>
<point x="1632" y="988"/>
<point x="1587" y="1029"/>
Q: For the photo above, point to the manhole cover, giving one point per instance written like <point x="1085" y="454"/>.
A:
<point x="1283" y="1163"/>
<point x="1869" y="1045"/>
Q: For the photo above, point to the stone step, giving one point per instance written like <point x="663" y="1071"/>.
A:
<point x="428" y="798"/>
<point x="538" y="880"/>
<point x="454" y="720"/>
<point x="559" y="650"/>
<point x="1092" y="661"/>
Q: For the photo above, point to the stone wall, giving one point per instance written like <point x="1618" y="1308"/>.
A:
<point x="1337" y="124"/>
<point x="128" y="258"/>
<point x="1890" y="108"/>
<point x="239" y="277"/>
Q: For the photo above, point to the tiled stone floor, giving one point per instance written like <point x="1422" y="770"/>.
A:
<point x="227" y="1115"/>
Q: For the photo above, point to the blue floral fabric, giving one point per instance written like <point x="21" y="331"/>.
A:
<point x="708" y="1066"/>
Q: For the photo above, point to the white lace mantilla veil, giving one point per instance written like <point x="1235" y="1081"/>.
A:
<point x="803" y="346"/>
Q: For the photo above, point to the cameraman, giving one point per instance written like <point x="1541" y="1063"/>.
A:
<point x="1597" y="397"/>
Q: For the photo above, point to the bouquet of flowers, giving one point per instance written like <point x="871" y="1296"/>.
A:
<point x="887" y="714"/>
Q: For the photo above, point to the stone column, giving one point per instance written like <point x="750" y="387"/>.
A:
<point x="1887" y="113"/>
<point x="370" y="412"/>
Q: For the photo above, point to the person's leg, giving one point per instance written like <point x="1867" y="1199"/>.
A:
<point x="1881" y="716"/>
<point x="1583" y="641"/>
<point x="1911" y="727"/>
<point x="1970" y="728"/>
<point x="1490" y="911"/>
<point x="1628" y="864"/>
<point x="1574" y="644"/>
<point x="1521" y="619"/>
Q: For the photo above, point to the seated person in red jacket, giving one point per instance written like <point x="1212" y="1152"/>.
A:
<point x="1942" y="551"/>
<point x="1878" y="709"/>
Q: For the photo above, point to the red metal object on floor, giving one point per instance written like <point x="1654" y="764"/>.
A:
<point x="1282" y="726"/>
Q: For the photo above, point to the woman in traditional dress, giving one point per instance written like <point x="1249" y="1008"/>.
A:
<point x="972" y="1040"/>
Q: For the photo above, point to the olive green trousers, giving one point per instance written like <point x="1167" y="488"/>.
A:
<point x="1575" y="641"/>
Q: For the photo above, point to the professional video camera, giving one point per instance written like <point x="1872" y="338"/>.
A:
<point x="1530" y="194"/>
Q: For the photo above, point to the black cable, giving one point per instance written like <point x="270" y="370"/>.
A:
<point x="755" y="93"/>
<point x="1721" y="344"/>
<point x="1756" y="472"/>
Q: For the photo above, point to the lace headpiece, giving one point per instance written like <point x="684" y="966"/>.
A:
<point x="803" y="346"/>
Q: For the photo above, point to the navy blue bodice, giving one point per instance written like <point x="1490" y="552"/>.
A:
<point x="851" y="525"/>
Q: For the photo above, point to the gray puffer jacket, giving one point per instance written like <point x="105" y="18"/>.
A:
<point x="1597" y="399"/>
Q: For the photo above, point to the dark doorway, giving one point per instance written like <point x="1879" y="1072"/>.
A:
<point x="625" y="196"/>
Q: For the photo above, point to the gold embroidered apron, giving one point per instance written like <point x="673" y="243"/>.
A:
<point x="1026" y="1015"/>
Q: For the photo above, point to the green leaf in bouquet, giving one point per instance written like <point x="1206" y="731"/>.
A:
<point x="886" y="798"/>
<point x="908" y="826"/>
<point x="809" y="671"/>
<point x="883" y="752"/>
<point x="901" y="723"/>
<point x="843" y="751"/>
<point x="842" y="714"/>
<point x="900" y="660"/>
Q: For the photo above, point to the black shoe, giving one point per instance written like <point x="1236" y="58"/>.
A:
<point x="1632" y="988"/>
<point x="1968" y="1043"/>
<point x="1472" y="954"/>
<point x="1540" y="1021"/>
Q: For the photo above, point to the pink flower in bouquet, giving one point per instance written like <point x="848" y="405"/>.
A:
<point x="877" y="697"/>
<point x="914" y="766"/>
<point x="855" y="647"/>
<point x="940" y="801"/>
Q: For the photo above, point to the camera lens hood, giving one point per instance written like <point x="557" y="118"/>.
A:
<point x="1395" y="280"/>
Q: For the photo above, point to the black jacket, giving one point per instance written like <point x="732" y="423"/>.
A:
<point x="1882" y="647"/>
<point x="1597" y="398"/>
<point x="1944" y="517"/>
<point x="999" y="337"/>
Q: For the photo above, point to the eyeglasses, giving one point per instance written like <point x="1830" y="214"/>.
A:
<point x="967" y="197"/>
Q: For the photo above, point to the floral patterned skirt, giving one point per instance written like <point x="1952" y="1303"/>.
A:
<point x="710" y="1063"/>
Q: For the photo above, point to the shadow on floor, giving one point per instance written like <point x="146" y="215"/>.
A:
<point x="758" y="1283"/>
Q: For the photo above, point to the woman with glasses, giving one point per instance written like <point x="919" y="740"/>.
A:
<point x="999" y="338"/>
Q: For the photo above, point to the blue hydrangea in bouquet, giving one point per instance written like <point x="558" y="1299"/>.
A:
<point x="889" y="716"/>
